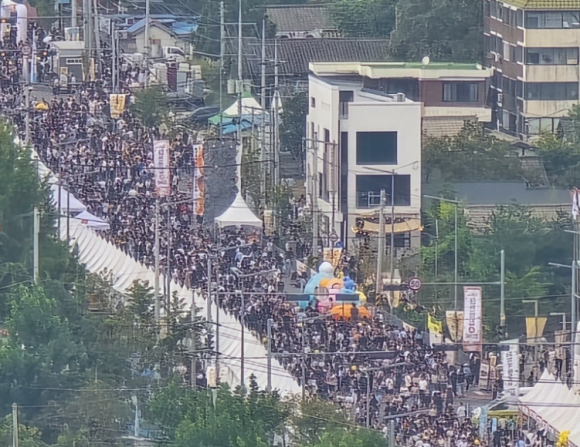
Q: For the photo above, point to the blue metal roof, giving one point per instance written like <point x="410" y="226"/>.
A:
<point x="184" y="27"/>
<point x="178" y="27"/>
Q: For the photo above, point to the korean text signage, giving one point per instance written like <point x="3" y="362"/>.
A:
<point x="472" y="327"/>
<point x="511" y="368"/>
<point x="161" y="164"/>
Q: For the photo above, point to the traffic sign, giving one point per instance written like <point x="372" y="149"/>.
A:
<point x="415" y="284"/>
<point x="26" y="50"/>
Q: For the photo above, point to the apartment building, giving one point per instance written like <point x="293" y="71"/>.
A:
<point x="532" y="46"/>
<point x="362" y="141"/>
<point x="449" y="93"/>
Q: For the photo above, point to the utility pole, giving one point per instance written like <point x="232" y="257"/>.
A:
<point x="240" y="77"/>
<point x="380" y="244"/>
<point x="193" y="346"/>
<point x="156" y="255"/>
<point x="147" y="42"/>
<point x="573" y="311"/>
<point x="303" y="362"/>
<point x="276" y="96"/>
<point x="456" y="267"/>
<point x="270" y="322"/>
<point x="97" y="37"/>
<point x="73" y="21"/>
<point x="14" y="425"/>
<point x="222" y="53"/>
<point x="502" y="292"/>
<point x="208" y="318"/>
<point x="314" y="197"/>
<point x="263" y="104"/>
<point x="36" y="245"/>
<point x="392" y="253"/>
<point x="243" y="341"/>
<point x="114" y="54"/>
<point x="27" y="122"/>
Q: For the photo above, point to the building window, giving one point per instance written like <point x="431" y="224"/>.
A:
<point x="520" y="18"/>
<point x="376" y="148"/>
<point x="552" y="20"/>
<point x="402" y="240"/>
<point x="493" y="8"/>
<point x="486" y="8"/>
<point x="551" y="91"/>
<point x="313" y="102"/>
<point x="506" y="51"/>
<point x="552" y="56"/>
<point x="344" y="98"/>
<point x="460" y="92"/>
<point x="368" y="190"/>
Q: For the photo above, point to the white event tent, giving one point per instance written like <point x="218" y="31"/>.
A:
<point x="554" y="406"/>
<point x="92" y="222"/>
<point x="238" y="214"/>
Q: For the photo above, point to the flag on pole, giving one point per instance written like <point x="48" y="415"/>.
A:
<point x="575" y="203"/>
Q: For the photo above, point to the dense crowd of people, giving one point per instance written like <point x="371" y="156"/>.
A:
<point x="378" y="372"/>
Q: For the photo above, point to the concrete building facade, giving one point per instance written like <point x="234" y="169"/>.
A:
<point x="361" y="141"/>
<point x="532" y="46"/>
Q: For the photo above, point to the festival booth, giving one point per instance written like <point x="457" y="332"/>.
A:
<point x="553" y="408"/>
<point x="238" y="215"/>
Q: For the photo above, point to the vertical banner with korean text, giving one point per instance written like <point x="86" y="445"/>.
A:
<point x="472" y="324"/>
<point x="511" y="367"/>
<point x="198" y="181"/>
<point x="161" y="165"/>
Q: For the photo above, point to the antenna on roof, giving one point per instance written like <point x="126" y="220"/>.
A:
<point x="425" y="60"/>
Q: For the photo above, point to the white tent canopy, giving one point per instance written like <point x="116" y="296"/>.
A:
<point x="238" y="215"/>
<point x="249" y="107"/>
<point x="554" y="404"/>
<point x="68" y="202"/>
<point x="93" y="222"/>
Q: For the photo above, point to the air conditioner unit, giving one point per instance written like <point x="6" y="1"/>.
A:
<point x="123" y="34"/>
<point x="500" y="99"/>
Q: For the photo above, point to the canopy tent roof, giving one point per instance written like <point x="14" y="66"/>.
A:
<point x="554" y="403"/>
<point x="93" y="222"/>
<point x="68" y="202"/>
<point x="238" y="214"/>
<point x="249" y="107"/>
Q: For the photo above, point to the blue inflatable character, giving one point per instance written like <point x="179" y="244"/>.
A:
<point x="325" y="271"/>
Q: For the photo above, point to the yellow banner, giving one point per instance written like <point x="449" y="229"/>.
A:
<point x="117" y="105"/>
<point x="433" y="325"/>
<point x="535" y="328"/>
<point x="454" y="322"/>
<point x="332" y="255"/>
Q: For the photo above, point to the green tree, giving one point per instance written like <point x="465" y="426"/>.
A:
<point x="151" y="106"/>
<point x="447" y="30"/>
<point x="236" y="419"/>
<point x="363" y="18"/>
<point x="293" y="125"/>
<point x="471" y="155"/>
<point x="27" y="436"/>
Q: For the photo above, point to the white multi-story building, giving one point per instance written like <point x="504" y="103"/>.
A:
<point x="358" y="139"/>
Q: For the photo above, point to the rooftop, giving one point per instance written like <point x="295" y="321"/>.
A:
<point x="385" y="69"/>
<point x="503" y="193"/>
<point x="289" y="18"/>
<point x="546" y="5"/>
<point x="295" y="54"/>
